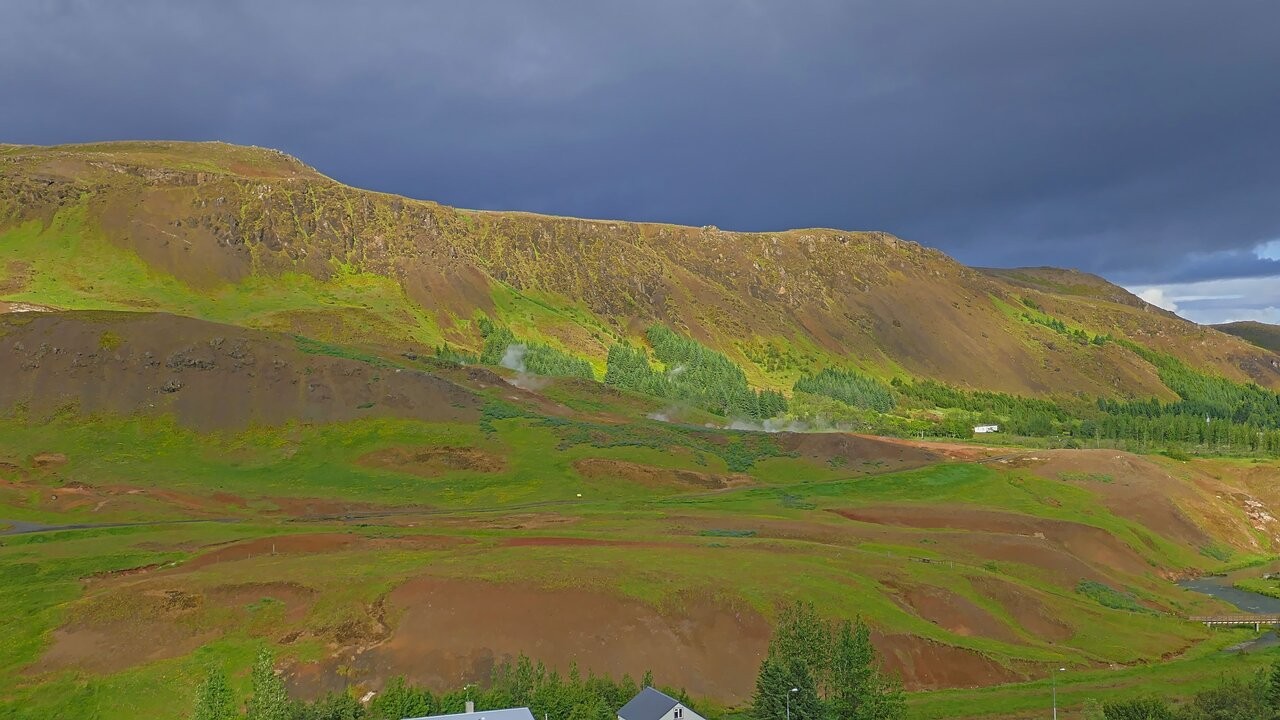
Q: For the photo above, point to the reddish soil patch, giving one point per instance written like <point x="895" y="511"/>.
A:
<point x="296" y="598"/>
<point x="194" y="504"/>
<point x="1093" y="545"/>
<point x="154" y="629"/>
<point x="1024" y="607"/>
<point x="946" y="609"/>
<point x="656" y="477"/>
<point x="927" y="665"/>
<point x="951" y="451"/>
<point x="1129" y="486"/>
<point x="127" y="572"/>
<point x="580" y="542"/>
<point x="48" y="460"/>
<point x="228" y="499"/>
<point x="453" y="631"/>
<point x="128" y="625"/>
<point x="113" y="647"/>
<point x="279" y="545"/>
<point x="319" y="507"/>
<point x="1057" y="565"/>
<point x="856" y="449"/>
<point x="433" y="461"/>
<point x="206" y="375"/>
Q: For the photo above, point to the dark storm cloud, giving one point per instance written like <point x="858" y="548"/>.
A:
<point x="1137" y="139"/>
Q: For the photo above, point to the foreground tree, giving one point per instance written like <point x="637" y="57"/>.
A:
<point x="269" y="700"/>
<point x="1271" y="688"/>
<point x="786" y="687"/>
<point x="833" y="670"/>
<point x="214" y="699"/>
<point x="1232" y="699"/>
<point x="859" y="690"/>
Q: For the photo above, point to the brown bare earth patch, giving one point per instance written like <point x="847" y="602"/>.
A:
<point x="305" y="507"/>
<point x="126" y="572"/>
<point x="116" y="646"/>
<point x="1092" y="545"/>
<point x="963" y="452"/>
<point x="927" y="665"/>
<point x="950" y="610"/>
<point x="206" y="375"/>
<point x="279" y="545"/>
<point x="48" y="460"/>
<point x="126" y="629"/>
<point x="17" y="274"/>
<point x="1024" y="607"/>
<point x="656" y="477"/>
<point x="433" y="461"/>
<point x="545" y="541"/>
<point x="453" y="631"/>
<point x="856" y="449"/>
<point x="126" y="625"/>
<point x="227" y="498"/>
<point x="1130" y="486"/>
<point x="297" y="598"/>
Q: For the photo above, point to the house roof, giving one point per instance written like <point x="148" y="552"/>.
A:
<point x="650" y="704"/>
<point x="504" y="714"/>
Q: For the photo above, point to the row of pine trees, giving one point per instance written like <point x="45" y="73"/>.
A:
<point x="1211" y="412"/>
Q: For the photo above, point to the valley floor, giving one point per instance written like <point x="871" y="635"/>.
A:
<point x="364" y="550"/>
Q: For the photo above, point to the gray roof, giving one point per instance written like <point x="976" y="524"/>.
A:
<point x="505" y="714"/>
<point x="650" y="704"/>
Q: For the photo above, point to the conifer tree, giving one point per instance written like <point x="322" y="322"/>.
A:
<point x="214" y="699"/>
<point x="269" y="700"/>
<point x="786" y="687"/>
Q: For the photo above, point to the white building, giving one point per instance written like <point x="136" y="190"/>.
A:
<point x="986" y="428"/>
<point x="471" y="714"/>
<point x="651" y="704"/>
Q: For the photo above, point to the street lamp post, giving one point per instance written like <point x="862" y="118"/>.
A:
<point x="1055" y="692"/>
<point x="796" y="689"/>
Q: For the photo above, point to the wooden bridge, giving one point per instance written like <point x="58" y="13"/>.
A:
<point x="1257" y="621"/>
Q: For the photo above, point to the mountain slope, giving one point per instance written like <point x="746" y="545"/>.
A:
<point x="1262" y="334"/>
<point x="252" y="237"/>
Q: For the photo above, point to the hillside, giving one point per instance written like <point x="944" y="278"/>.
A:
<point x="247" y="406"/>
<point x="1264" y="335"/>
<point x="204" y="488"/>
<point x="255" y="238"/>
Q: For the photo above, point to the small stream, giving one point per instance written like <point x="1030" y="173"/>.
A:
<point x="1249" y="602"/>
<point x="22" y="527"/>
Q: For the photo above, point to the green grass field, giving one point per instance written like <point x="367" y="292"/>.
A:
<point x="773" y="538"/>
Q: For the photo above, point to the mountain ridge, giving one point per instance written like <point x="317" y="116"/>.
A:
<point x="212" y="220"/>
<point x="1264" y="335"/>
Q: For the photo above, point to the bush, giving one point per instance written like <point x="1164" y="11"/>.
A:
<point x="1107" y="596"/>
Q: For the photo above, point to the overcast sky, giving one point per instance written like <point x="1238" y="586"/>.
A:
<point x="1136" y="139"/>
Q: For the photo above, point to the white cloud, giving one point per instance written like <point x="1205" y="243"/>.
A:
<point x="1217" y="301"/>
<point x="1156" y="296"/>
